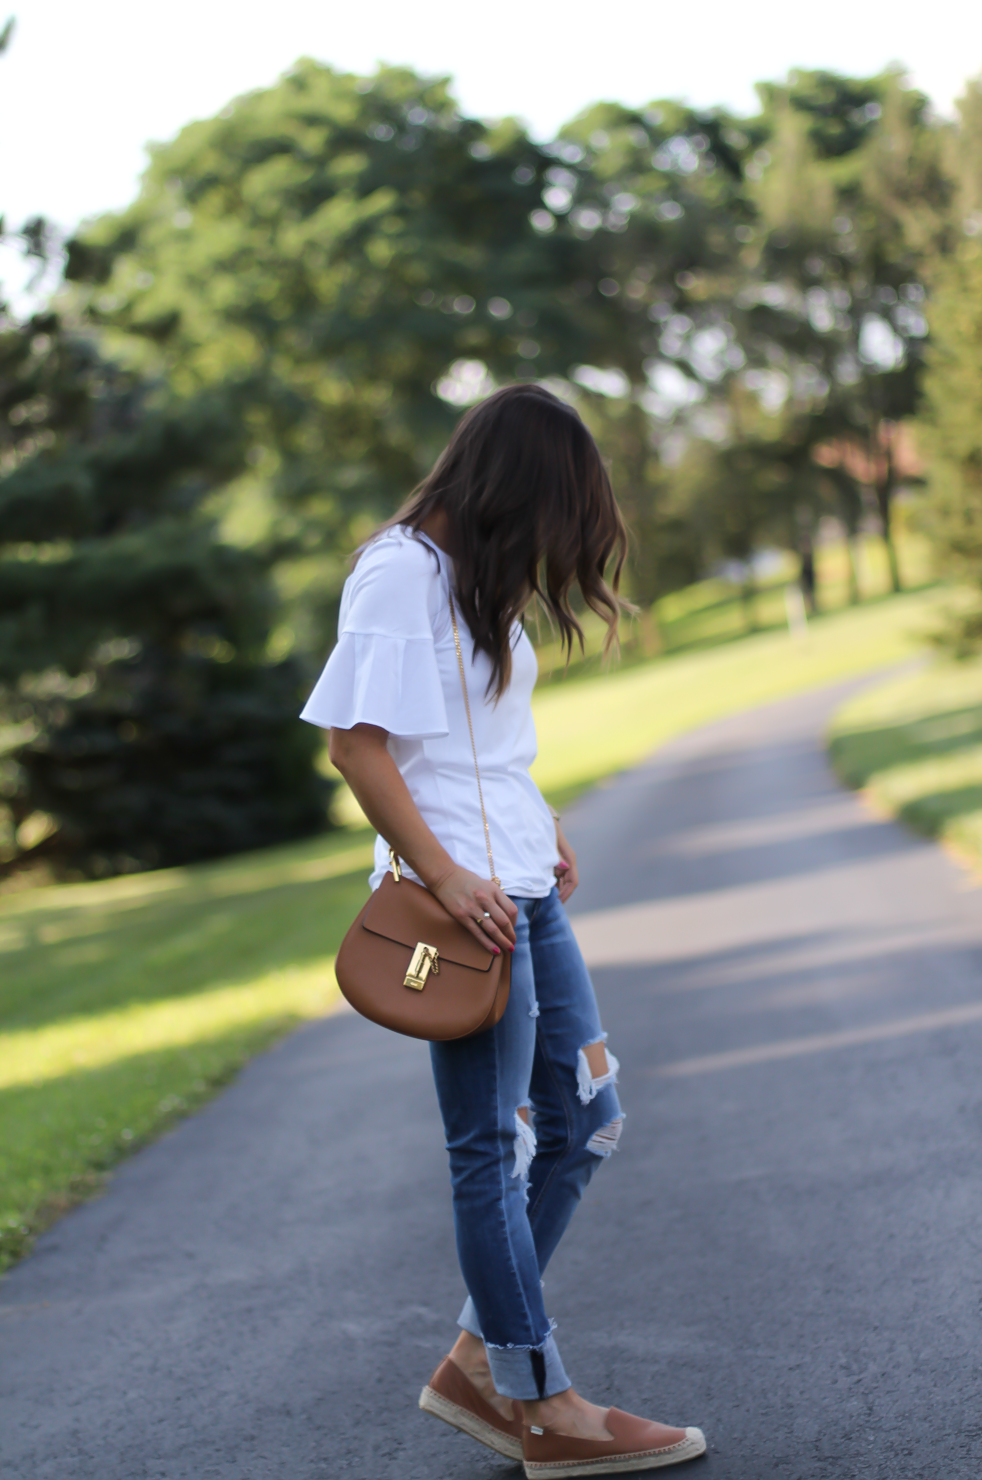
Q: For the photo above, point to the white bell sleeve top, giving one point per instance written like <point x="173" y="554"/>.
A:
<point x="395" y="666"/>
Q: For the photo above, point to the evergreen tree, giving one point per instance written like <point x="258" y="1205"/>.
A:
<point x="951" y="432"/>
<point x="950" y="424"/>
<point x="144" y="724"/>
<point x="965" y="159"/>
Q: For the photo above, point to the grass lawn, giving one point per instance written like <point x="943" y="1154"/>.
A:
<point x="591" y="728"/>
<point x="124" y="1004"/>
<point x="713" y="611"/>
<point x="916" y="746"/>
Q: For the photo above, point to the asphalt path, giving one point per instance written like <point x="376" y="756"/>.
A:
<point x="786" y="1249"/>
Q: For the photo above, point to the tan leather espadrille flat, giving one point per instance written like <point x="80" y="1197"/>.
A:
<point x="637" y="1444"/>
<point x="452" y="1396"/>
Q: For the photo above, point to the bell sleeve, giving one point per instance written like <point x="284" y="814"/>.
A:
<point x="384" y="669"/>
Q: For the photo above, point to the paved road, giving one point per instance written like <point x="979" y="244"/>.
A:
<point x="786" y="1249"/>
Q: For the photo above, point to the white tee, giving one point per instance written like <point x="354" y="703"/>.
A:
<point x="395" y="666"/>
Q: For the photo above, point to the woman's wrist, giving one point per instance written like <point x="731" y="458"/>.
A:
<point x="435" y="873"/>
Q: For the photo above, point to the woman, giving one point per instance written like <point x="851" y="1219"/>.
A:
<point x="529" y="1107"/>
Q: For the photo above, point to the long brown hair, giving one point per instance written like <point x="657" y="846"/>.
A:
<point x="531" y="511"/>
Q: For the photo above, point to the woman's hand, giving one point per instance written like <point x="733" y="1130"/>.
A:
<point x="567" y="874"/>
<point x="481" y="906"/>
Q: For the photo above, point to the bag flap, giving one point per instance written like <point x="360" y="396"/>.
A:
<point x="407" y="913"/>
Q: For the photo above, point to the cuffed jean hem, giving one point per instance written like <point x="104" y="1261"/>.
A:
<point x="528" y="1373"/>
<point x="468" y="1321"/>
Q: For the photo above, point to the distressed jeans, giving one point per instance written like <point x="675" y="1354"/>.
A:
<point x="516" y="1184"/>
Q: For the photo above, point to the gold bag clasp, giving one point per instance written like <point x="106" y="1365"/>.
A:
<point x="425" y="959"/>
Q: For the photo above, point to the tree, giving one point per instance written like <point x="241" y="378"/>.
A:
<point x="667" y="547"/>
<point x="951" y="431"/>
<point x="658" y="193"/>
<point x="854" y="204"/>
<point x="748" y="488"/>
<point x="656" y="196"/>
<point x="951" y="420"/>
<point x="144" y="723"/>
<point x="141" y="721"/>
<point x="964" y="159"/>
<point x="336" y="246"/>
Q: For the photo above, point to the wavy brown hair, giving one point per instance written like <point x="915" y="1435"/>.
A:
<point x="531" y="512"/>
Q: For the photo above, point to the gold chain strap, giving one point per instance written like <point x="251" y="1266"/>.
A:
<point x="470" y="726"/>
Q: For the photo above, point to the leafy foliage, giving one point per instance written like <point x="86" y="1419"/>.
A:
<point x="334" y="245"/>
<point x="853" y="203"/>
<point x="261" y="356"/>
<point x="951" y="429"/>
<point x="144" y="722"/>
<point x="357" y="256"/>
<point x="951" y="415"/>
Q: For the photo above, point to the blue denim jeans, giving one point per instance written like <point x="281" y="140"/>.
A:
<point x="516" y="1184"/>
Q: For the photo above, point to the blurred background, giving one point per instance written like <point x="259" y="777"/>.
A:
<point x="749" y="250"/>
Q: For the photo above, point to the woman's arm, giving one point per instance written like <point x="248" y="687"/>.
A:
<point x="361" y="756"/>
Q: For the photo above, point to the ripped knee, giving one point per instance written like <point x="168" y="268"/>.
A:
<point x="595" y="1067"/>
<point x="604" y="1141"/>
<point x="525" y="1143"/>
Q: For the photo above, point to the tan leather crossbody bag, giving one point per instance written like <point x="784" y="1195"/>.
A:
<point x="407" y="964"/>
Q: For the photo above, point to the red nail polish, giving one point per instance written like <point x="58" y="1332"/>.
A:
<point x="496" y="950"/>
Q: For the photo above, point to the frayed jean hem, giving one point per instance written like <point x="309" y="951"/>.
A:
<point x="502" y="1359"/>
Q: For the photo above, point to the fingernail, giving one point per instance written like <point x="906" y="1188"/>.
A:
<point x="512" y="949"/>
<point x="496" y="950"/>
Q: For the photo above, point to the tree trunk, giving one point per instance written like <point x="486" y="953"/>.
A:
<point x="885" y="488"/>
<point x="885" y="514"/>
<point x="850" y="516"/>
<point x="804" y="547"/>
<point x="806" y="577"/>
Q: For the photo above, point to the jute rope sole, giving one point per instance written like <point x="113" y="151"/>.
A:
<point x="690" y="1447"/>
<point x="469" y="1423"/>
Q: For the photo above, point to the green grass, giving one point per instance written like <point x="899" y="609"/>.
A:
<point x="915" y="745"/>
<point x="713" y="611"/>
<point x="124" y="1004"/>
<point x="590" y="729"/>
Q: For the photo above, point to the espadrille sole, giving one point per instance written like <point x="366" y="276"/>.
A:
<point x="469" y="1423"/>
<point x="690" y="1447"/>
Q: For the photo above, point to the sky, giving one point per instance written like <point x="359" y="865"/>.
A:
<point x="83" y="87"/>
